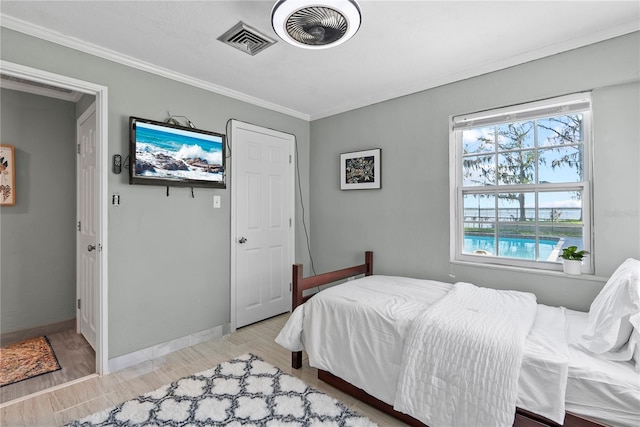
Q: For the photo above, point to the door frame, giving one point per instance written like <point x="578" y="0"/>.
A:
<point x="101" y="102"/>
<point x="291" y="200"/>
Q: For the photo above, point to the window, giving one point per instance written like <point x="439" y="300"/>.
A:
<point x="520" y="183"/>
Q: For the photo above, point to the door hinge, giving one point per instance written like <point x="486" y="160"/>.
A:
<point x="289" y="158"/>
<point x="290" y="288"/>
<point x="79" y="226"/>
<point x="78" y="148"/>
<point x="290" y="222"/>
<point x="78" y="303"/>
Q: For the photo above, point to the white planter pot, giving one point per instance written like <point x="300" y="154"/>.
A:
<point x="572" y="266"/>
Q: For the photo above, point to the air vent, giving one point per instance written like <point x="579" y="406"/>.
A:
<point x="246" y="39"/>
<point x="37" y="88"/>
<point x="36" y="84"/>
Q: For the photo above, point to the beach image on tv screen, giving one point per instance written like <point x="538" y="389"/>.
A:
<point x="168" y="153"/>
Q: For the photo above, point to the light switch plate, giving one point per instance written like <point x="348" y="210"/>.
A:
<point x="216" y="202"/>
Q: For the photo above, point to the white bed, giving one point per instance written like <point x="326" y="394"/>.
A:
<point x="356" y="331"/>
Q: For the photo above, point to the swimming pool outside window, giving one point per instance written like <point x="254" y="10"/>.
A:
<point x="520" y="183"/>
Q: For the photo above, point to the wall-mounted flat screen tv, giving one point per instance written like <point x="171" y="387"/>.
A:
<point x="170" y="155"/>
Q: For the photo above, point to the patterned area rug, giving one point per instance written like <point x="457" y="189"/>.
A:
<point x="245" y="391"/>
<point x="26" y="359"/>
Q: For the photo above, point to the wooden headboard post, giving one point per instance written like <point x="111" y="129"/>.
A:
<point x="300" y="284"/>
<point x="368" y="261"/>
<point x="296" y="297"/>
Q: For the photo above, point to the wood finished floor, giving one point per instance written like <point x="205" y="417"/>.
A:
<point x="75" y="356"/>
<point x="61" y="406"/>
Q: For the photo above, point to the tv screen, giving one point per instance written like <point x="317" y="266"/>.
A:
<point x="170" y="155"/>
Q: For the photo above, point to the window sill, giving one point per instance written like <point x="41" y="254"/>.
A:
<point x="583" y="276"/>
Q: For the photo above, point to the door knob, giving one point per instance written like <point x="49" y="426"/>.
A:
<point x="242" y="240"/>
<point x="91" y="248"/>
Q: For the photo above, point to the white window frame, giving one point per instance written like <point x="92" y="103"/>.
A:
<point x="580" y="102"/>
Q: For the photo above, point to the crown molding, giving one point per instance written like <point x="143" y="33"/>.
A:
<point x="77" y="44"/>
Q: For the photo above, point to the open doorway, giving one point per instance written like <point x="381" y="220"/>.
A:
<point x="90" y="97"/>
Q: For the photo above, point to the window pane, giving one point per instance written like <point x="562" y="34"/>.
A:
<point x="516" y="240"/>
<point x="479" y="140"/>
<point x="478" y="170"/>
<point x="559" y="236"/>
<point x="479" y="213"/>
<point x="479" y="207"/>
<point x="560" y="164"/>
<point x="548" y="246"/>
<point x="560" y="217"/>
<point x="516" y="207"/>
<point x="516" y="167"/>
<point x="479" y="241"/>
<point x="560" y="130"/>
<point x="515" y="135"/>
<point x="560" y="207"/>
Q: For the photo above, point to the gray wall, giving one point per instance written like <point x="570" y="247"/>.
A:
<point x="37" y="235"/>
<point x="406" y="223"/>
<point x="169" y="257"/>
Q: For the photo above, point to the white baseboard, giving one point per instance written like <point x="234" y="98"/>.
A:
<point x="162" y="349"/>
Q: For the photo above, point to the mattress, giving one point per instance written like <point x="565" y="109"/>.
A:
<point x="603" y="390"/>
<point x="357" y="330"/>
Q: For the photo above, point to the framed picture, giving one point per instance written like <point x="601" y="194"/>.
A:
<point x="360" y="170"/>
<point x="7" y="175"/>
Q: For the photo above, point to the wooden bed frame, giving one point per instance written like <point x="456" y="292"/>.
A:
<point x="523" y="418"/>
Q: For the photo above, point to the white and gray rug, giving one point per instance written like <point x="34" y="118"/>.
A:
<point x="245" y="391"/>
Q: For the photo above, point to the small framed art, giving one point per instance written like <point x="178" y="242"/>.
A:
<point x="7" y="175"/>
<point x="360" y="170"/>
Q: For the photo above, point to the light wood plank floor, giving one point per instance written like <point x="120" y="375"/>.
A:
<point x="75" y="401"/>
<point x="75" y="356"/>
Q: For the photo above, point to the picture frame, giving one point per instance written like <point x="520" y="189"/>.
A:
<point x="7" y="175"/>
<point x="361" y="170"/>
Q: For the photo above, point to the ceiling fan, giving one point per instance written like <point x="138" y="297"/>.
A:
<point x="318" y="24"/>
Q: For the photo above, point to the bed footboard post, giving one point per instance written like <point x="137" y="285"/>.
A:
<point x="368" y="260"/>
<point x="296" y="300"/>
<point x="296" y="359"/>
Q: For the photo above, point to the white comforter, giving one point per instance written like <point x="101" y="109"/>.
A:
<point x="462" y="358"/>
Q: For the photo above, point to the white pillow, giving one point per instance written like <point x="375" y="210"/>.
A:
<point x="609" y="328"/>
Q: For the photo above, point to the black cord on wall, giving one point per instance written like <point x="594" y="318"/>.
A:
<point x="228" y="132"/>
<point x="304" y="224"/>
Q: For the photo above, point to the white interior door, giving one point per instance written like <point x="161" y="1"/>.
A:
<point x="87" y="237"/>
<point x="263" y="201"/>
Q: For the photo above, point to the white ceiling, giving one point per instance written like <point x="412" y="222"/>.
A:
<point x="402" y="46"/>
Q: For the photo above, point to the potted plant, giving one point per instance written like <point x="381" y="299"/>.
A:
<point x="572" y="260"/>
